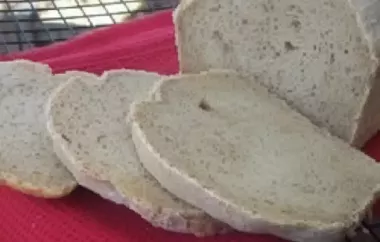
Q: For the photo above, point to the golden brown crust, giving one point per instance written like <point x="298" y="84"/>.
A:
<point x="42" y="192"/>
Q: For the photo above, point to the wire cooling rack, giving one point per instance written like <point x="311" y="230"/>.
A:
<point x="28" y="23"/>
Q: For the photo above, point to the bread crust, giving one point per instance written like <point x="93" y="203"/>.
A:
<point x="43" y="192"/>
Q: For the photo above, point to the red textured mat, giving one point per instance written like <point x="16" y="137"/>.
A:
<point x="146" y="44"/>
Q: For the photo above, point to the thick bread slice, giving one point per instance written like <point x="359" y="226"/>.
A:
<point x="87" y="123"/>
<point x="27" y="159"/>
<point x="229" y="147"/>
<point x="320" y="56"/>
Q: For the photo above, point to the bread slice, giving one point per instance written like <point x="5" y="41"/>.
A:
<point x="227" y="146"/>
<point x="27" y="160"/>
<point x="87" y="123"/>
<point x="320" y="56"/>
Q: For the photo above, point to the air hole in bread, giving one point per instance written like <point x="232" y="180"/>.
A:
<point x="289" y="46"/>
<point x="204" y="105"/>
<point x="66" y="138"/>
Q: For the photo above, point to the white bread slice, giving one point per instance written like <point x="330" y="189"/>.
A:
<point x="27" y="160"/>
<point x="320" y="56"/>
<point x="229" y="147"/>
<point x="87" y="123"/>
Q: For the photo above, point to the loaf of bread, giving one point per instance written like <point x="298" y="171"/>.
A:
<point x="27" y="159"/>
<point x="320" y="56"/>
<point x="86" y="119"/>
<point x="229" y="147"/>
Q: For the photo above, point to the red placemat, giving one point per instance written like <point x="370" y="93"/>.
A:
<point x="146" y="44"/>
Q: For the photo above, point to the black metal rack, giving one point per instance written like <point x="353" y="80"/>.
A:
<point x="28" y="23"/>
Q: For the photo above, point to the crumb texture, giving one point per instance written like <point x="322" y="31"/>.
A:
<point x="229" y="147"/>
<point x="88" y="120"/>
<point x="314" y="54"/>
<point x="27" y="159"/>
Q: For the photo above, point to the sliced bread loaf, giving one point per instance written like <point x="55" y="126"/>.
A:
<point x="229" y="147"/>
<point x="320" y="56"/>
<point x="27" y="159"/>
<point x="87" y="123"/>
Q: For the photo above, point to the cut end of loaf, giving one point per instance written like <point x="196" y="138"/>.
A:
<point x="300" y="52"/>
